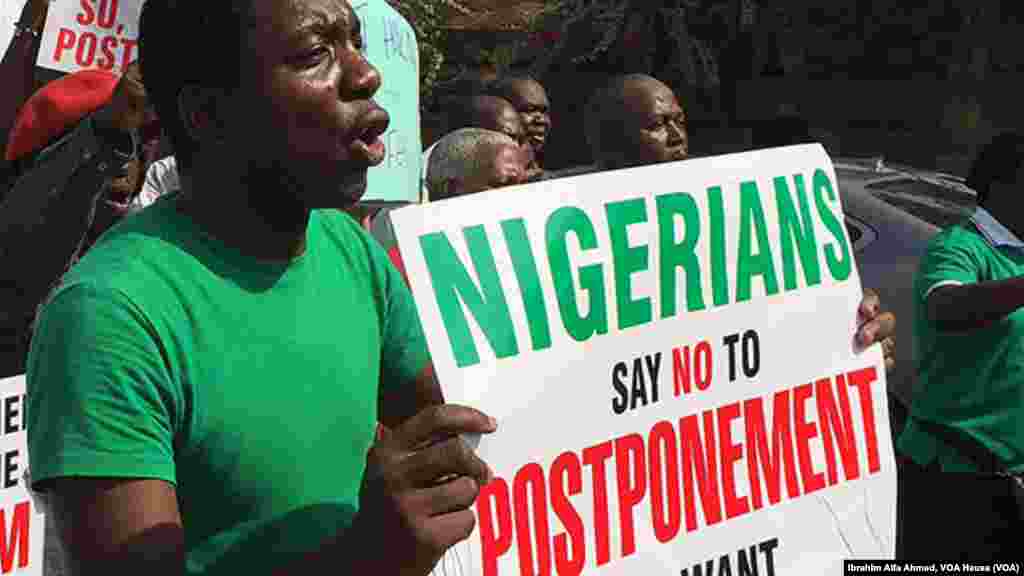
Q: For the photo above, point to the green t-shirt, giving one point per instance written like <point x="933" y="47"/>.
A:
<point x="974" y="380"/>
<point x="251" y="387"/>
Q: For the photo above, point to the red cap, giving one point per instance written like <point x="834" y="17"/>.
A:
<point x="57" y="107"/>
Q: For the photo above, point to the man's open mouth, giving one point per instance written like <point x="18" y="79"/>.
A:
<point x="368" y="147"/>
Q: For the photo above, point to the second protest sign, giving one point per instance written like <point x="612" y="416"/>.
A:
<point x="87" y="34"/>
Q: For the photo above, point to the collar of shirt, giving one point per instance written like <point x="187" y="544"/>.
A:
<point x="996" y="234"/>
<point x="424" y="191"/>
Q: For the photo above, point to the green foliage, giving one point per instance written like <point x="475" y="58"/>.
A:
<point x="426" y="18"/>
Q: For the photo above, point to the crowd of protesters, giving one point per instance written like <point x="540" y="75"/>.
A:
<point x="226" y="372"/>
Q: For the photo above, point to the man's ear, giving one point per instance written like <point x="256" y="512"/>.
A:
<point x="201" y="113"/>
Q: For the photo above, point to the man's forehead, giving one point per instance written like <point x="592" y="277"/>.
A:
<point x="649" y="96"/>
<point x="528" y="89"/>
<point x="491" y="106"/>
<point x="285" y="16"/>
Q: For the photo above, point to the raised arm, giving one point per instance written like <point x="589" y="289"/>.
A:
<point x="966" y="307"/>
<point x="955" y="293"/>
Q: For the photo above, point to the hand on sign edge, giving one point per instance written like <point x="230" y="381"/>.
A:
<point x="420" y="484"/>
<point x="873" y="326"/>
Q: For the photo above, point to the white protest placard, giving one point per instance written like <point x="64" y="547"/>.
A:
<point x="85" y="34"/>
<point x="669" y="352"/>
<point x="22" y="534"/>
<point x="10" y="10"/>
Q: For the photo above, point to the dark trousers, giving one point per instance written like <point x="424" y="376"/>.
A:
<point x="962" y="517"/>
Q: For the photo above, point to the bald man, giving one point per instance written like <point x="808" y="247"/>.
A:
<point x="637" y="120"/>
<point x="474" y="160"/>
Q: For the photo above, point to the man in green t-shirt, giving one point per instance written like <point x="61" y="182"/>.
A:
<point x="204" y="386"/>
<point x="969" y="346"/>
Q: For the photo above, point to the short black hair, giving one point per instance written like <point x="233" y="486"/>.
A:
<point x="504" y="86"/>
<point x="187" y="42"/>
<point x="998" y="161"/>
<point x="465" y="113"/>
<point x="455" y="98"/>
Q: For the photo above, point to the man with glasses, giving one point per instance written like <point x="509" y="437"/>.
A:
<point x="78" y="160"/>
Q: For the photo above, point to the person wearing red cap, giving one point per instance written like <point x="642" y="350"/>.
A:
<point x="73" y="142"/>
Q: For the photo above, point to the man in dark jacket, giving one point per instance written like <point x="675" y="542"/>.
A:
<point x="76" y="162"/>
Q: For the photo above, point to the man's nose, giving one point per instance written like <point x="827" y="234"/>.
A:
<point x="362" y="80"/>
<point x="676" y="133"/>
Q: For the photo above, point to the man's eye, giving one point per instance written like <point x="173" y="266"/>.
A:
<point x="313" y="56"/>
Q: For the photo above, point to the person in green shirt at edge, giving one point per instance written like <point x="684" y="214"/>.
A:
<point x="969" y="350"/>
<point x="204" y="386"/>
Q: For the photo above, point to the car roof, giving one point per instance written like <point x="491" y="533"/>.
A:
<point x="881" y="170"/>
<point x="903" y="196"/>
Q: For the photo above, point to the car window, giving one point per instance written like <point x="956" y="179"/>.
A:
<point x="861" y="234"/>
<point x="937" y="205"/>
<point x="854" y="232"/>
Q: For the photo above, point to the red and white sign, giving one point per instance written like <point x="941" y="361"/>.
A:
<point x="22" y="534"/>
<point x="9" y="12"/>
<point x="86" y="34"/>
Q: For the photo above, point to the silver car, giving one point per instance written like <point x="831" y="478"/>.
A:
<point x="891" y="214"/>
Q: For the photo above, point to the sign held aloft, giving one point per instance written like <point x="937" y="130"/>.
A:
<point x="669" y="351"/>
<point x="87" y="34"/>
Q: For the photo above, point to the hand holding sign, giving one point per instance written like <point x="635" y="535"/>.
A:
<point x="873" y="326"/>
<point x="421" y="480"/>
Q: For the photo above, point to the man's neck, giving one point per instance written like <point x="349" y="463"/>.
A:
<point x="246" y="212"/>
